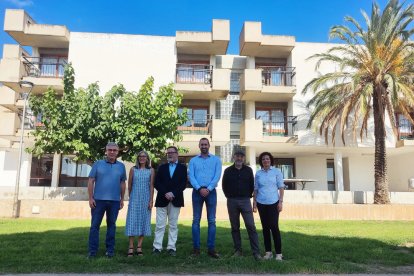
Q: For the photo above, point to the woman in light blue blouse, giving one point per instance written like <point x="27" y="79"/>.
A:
<point x="268" y="199"/>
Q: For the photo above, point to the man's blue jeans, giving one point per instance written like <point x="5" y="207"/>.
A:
<point x="111" y="208"/>
<point x="211" y="204"/>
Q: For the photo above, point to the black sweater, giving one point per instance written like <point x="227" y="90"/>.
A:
<point x="238" y="183"/>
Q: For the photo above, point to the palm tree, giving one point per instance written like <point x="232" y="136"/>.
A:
<point x="375" y="78"/>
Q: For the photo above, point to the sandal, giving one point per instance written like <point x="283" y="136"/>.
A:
<point x="139" y="251"/>
<point x="130" y="252"/>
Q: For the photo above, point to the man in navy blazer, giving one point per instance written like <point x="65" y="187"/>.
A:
<point x="170" y="182"/>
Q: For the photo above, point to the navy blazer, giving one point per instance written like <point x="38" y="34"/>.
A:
<point x="164" y="184"/>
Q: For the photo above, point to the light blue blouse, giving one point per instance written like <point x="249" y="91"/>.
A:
<point x="266" y="185"/>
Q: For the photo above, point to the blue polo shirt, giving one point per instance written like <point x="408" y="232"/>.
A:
<point x="108" y="177"/>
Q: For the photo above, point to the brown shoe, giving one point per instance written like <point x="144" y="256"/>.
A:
<point x="195" y="252"/>
<point x="213" y="254"/>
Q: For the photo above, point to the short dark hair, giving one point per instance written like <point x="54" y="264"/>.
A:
<point x="272" y="160"/>
<point x="173" y="147"/>
<point x="204" y="138"/>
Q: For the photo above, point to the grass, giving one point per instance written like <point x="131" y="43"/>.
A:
<point x="60" y="246"/>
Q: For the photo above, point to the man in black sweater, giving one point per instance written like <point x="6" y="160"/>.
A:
<point x="238" y="186"/>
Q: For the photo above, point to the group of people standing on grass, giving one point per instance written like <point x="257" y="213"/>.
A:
<point x="107" y="185"/>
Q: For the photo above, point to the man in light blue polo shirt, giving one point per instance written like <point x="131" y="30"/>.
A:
<point x="204" y="174"/>
<point x="106" y="189"/>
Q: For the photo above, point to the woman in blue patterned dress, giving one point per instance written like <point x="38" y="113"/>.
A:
<point x="141" y="191"/>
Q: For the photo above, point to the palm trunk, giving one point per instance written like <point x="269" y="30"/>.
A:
<point x="381" y="195"/>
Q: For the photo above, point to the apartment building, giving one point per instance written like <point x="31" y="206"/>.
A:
<point x="251" y="101"/>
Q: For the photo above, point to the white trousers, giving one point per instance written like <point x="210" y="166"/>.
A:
<point x="171" y="212"/>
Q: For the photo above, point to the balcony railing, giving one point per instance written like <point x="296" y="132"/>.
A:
<point x="197" y="125"/>
<point x="278" y="75"/>
<point x="32" y="122"/>
<point x="405" y="130"/>
<point x="194" y="73"/>
<point x="279" y="126"/>
<point x="45" y="67"/>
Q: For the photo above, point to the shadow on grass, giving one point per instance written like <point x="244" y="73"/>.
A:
<point x="65" y="251"/>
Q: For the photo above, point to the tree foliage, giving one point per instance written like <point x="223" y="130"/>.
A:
<point x="374" y="78"/>
<point x="82" y="122"/>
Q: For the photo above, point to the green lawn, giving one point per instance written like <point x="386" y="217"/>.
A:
<point x="60" y="246"/>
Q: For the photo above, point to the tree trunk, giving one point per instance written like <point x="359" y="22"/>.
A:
<point x="381" y="195"/>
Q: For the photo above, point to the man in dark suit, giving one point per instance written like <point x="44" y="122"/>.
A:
<point x="170" y="183"/>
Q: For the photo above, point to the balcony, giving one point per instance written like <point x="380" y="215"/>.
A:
<point x="9" y="99"/>
<point x="216" y="130"/>
<point x="43" y="72"/>
<point x="253" y="43"/>
<point x="45" y="67"/>
<point x="205" y="43"/>
<point x="268" y="130"/>
<point x="202" y="81"/>
<point x="19" y="25"/>
<point x="268" y="83"/>
<point x="10" y="122"/>
<point x="196" y="126"/>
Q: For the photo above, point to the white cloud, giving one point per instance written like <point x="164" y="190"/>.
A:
<point x="21" y="3"/>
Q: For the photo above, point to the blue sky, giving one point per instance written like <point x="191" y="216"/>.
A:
<point x="307" y="20"/>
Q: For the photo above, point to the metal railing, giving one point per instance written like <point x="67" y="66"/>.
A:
<point x="405" y="130"/>
<point x="197" y="125"/>
<point x="194" y="73"/>
<point x="45" y="67"/>
<point x="278" y="75"/>
<point x="279" y="126"/>
<point x="32" y="122"/>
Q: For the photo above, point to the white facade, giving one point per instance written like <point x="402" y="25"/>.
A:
<point x="112" y="59"/>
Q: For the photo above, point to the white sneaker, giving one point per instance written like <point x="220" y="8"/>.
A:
<point x="279" y="257"/>
<point x="268" y="256"/>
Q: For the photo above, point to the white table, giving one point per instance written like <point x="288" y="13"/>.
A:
<point x="301" y="181"/>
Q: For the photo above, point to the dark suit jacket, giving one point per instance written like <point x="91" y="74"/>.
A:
<point x="164" y="184"/>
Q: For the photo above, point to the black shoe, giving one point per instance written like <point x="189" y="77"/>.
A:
<point x="213" y="254"/>
<point x="156" y="251"/>
<point x="195" y="252"/>
<point x="237" y="253"/>
<point x="91" y="256"/>
<point x="172" y="252"/>
<point x="257" y="257"/>
<point x="109" y="255"/>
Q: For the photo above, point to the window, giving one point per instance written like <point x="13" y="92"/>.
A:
<point x="231" y="108"/>
<point x="73" y="173"/>
<point x="198" y="120"/>
<point x="330" y="170"/>
<point x="274" y="123"/>
<point x="405" y="128"/>
<point x="52" y="66"/>
<point x="41" y="171"/>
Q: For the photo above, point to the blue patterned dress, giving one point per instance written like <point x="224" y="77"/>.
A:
<point x="138" y="222"/>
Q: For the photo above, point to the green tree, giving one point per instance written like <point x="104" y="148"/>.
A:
<point x="81" y="122"/>
<point x="374" y="78"/>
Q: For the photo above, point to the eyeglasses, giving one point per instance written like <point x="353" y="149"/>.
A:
<point x="112" y="150"/>
<point x="171" y="152"/>
<point x="142" y="156"/>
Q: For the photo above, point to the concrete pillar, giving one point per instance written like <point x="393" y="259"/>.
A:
<point x="25" y="170"/>
<point x="251" y="157"/>
<point x="339" y="173"/>
<point x="212" y="109"/>
<point x="56" y="170"/>
<point x="250" y="63"/>
<point x="250" y="110"/>
<point x="213" y="61"/>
